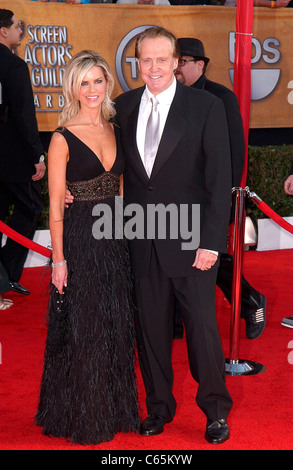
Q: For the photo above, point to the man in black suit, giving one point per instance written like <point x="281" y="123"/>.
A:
<point x="21" y="152"/>
<point x="191" y="166"/>
<point x="191" y="72"/>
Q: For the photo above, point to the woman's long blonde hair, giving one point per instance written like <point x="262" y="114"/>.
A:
<point x="73" y="76"/>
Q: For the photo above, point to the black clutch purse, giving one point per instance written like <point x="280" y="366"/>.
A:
<point x="57" y="334"/>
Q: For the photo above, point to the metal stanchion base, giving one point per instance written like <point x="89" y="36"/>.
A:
<point x="243" y="367"/>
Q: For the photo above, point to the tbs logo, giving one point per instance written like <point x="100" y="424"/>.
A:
<point x="128" y="75"/>
<point x="263" y="80"/>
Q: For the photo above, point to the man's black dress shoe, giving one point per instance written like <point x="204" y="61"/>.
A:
<point x="217" y="432"/>
<point x="153" y="425"/>
<point x="18" y="288"/>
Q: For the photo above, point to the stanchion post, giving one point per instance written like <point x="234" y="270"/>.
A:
<point x="238" y="194"/>
<point x="234" y="365"/>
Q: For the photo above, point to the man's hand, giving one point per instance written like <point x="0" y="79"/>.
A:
<point x="204" y="259"/>
<point x="68" y="198"/>
<point x="288" y="185"/>
<point x="40" y="171"/>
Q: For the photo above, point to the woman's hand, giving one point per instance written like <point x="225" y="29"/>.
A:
<point x="59" y="277"/>
<point x="68" y="198"/>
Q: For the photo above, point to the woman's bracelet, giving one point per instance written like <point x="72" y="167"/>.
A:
<point x="54" y="265"/>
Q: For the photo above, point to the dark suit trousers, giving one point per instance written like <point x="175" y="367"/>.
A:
<point x="155" y="296"/>
<point x="27" y="201"/>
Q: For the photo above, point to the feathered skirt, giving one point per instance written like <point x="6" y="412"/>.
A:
<point x="88" y="388"/>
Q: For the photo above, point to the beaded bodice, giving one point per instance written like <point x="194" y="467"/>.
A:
<point x="104" y="186"/>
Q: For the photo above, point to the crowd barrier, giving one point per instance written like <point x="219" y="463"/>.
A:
<point x="234" y="365"/>
<point x="46" y="252"/>
<point x="18" y="238"/>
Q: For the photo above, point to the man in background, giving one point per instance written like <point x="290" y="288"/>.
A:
<point x="21" y="153"/>
<point x="191" y="72"/>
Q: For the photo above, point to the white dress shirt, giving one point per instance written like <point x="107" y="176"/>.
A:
<point x="165" y="100"/>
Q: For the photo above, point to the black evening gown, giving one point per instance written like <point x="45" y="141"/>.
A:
<point x="88" y="389"/>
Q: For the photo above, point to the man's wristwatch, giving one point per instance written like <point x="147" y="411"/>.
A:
<point x="42" y="158"/>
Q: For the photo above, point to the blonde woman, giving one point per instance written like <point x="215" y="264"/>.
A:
<point x="88" y="390"/>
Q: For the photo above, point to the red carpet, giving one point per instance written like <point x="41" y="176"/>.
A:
<point x="261" y="417"/>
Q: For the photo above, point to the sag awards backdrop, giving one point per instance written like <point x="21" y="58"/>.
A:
<point x="262" y="413"/>
<point x="53" y="32"/>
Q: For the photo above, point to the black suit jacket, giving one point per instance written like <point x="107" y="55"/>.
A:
<point x="192" y="166"/>
<point x="235" y="124"/>
<point x="20" y="145"/>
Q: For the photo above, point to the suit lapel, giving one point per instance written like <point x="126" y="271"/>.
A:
<point x="133" y="152"/>
<point x="174" y="129"/>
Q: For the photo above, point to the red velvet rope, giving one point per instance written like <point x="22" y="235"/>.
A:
<point x="30" y="244"/>
<point x="274" y="216"/>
